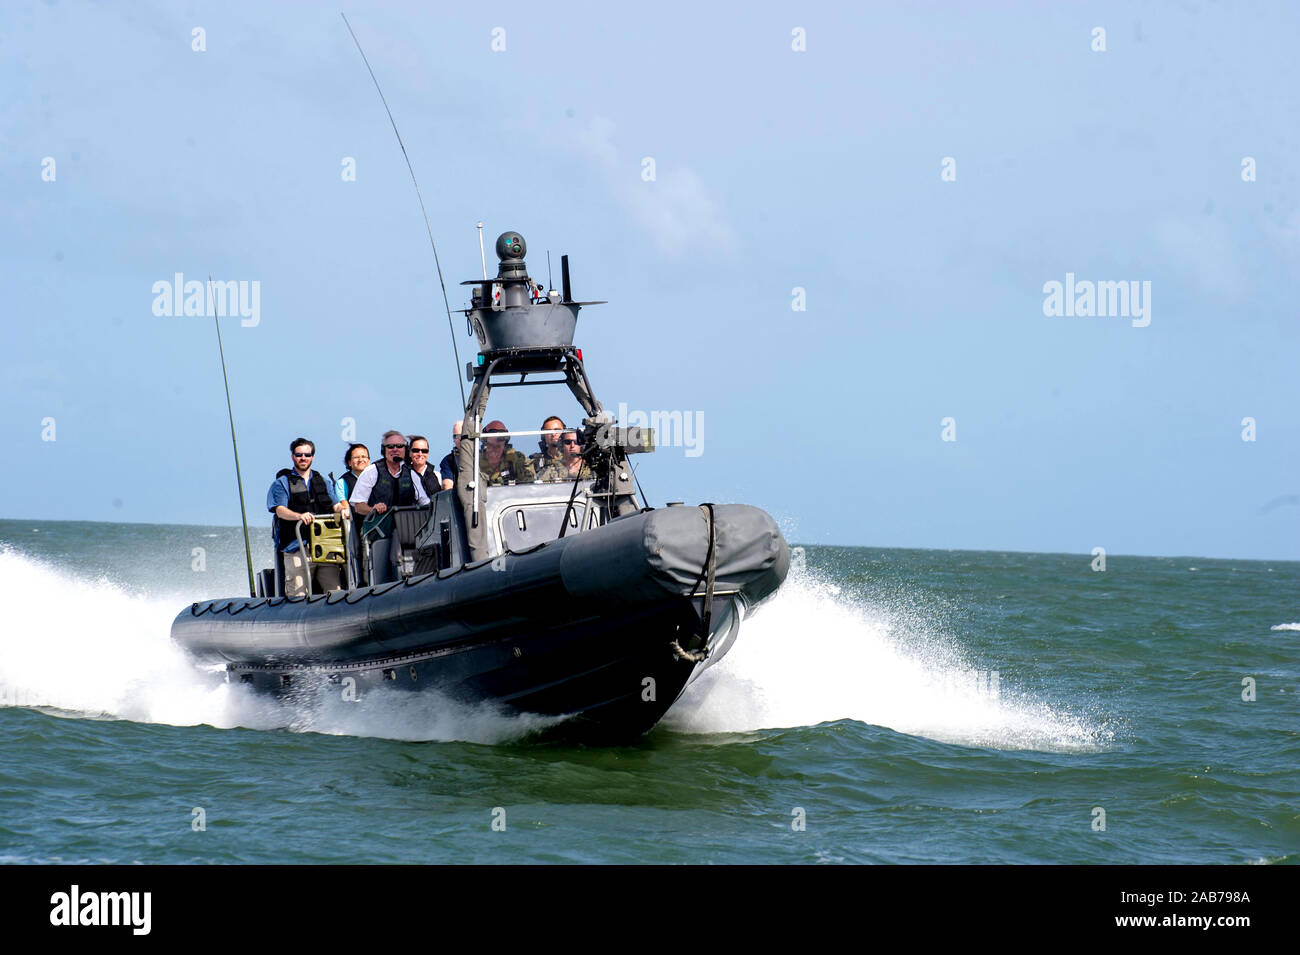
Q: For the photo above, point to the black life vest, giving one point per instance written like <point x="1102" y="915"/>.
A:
<point x="303" y="496"/>
<point x="350" y="485"/>
<point x="432" y="481"/>
<point x="393" y="491"/>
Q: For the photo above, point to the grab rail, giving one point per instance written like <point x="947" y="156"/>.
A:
<point x="344" y="524"/>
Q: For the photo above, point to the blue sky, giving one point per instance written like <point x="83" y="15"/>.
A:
<point x="774" y="169"/>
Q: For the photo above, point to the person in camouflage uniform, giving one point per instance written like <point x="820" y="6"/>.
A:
<point x="548" y="445"/>
<point x="570" y="465"/>
<point x="498" y="463"/>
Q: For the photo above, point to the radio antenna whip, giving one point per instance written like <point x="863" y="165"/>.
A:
<point x="243" y="513"/>
<point x="428" y="228"/>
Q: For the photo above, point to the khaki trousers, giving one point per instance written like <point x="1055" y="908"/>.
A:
<point x="325" y="577"/>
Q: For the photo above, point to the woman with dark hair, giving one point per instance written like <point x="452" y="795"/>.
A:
<point x="356" y="459"/>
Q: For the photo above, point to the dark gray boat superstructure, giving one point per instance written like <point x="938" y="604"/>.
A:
<point x="568" y="599"/>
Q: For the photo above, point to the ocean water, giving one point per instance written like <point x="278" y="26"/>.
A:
<point x="889" y="706"/>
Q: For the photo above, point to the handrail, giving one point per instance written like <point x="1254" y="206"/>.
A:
<point x="524" y="434"/>
<point x="344" y="525"/>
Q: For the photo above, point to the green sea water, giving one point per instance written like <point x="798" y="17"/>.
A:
<point x="884" y="706"/>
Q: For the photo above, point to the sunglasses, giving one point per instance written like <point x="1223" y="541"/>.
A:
<point x="390" y="447"/>
<point x="419" y="450"/>
<point x="568" y="441"/>
<point x="304" y="454"/>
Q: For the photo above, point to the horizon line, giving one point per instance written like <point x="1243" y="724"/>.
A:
<point x="949" y="550"/>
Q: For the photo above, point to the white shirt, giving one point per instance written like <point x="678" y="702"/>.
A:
<point x="366" y="484"/>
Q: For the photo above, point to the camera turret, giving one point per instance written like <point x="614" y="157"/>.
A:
<point x="509" y="314"/>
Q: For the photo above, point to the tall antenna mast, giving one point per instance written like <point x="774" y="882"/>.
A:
<point x="432" y="244"/>
<point x="239" y="482"/>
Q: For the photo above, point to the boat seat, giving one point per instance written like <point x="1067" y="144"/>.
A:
<point x="407" y="525"/>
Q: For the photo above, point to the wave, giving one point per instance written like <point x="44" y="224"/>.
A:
<point x="812" y="655"/>
<point x="90" y="647"/>
<point x="83" y="647"/>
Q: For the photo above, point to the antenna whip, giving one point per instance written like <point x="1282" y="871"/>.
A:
<point x="239" y="481"/>
<point x="433" y="245"/>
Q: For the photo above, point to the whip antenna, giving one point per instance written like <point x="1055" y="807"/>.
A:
<point x="427" y="227"/>
<point x="243" y="514"/>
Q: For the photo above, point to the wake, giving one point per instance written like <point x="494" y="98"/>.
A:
<point x="811" y="655"/>
<point x="89" y="648"/>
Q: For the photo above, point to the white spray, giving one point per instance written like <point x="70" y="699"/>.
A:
<point x="812" y="655"/>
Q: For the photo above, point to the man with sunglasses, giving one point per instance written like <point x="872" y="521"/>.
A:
<point x="382" y="486"/>
<point x="389" y="483"/>
<point x="295" y="495"/>
<point x="499" y="463"/>
<point x="570" y="465"/>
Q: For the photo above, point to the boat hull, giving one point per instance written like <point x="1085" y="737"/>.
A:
<point x="606" y="628"/>
<point x="611" y="680"/>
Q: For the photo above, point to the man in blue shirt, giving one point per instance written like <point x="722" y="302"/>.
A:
<point x="447" y="467"/>
<point x="294" y="496"/>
